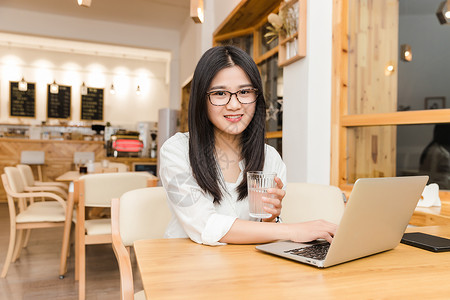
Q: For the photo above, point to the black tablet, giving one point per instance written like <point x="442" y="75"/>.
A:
<point x="426" y="241"/>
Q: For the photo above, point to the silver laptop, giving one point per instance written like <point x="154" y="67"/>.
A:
<point x="374" y="220"/>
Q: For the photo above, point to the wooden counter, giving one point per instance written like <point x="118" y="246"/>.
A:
<point x="58" y="155"/>
<point x="431" y="216"/>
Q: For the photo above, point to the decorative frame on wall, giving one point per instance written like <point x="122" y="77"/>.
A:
<point x="293" y="46"/>
<point x="435" y="102"/>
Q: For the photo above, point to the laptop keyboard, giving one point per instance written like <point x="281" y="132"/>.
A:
<point x="318" y="251"/>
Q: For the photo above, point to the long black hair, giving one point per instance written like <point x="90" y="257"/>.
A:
<point x="202" y="153"/>
<point x="441" y="136"/>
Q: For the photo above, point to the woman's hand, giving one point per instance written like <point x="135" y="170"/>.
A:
<point x="277" y="195"/>
<point x="312" y="230"/>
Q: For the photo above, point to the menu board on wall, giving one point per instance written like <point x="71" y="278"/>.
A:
<point x="22" y="103"/>
<point x="92" y="105"/>
<point x="58" y="105"/>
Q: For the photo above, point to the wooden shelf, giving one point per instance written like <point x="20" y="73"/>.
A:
<point x="293" y="48"/>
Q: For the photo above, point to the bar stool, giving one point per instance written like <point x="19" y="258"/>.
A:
<point x="36" y="158"/>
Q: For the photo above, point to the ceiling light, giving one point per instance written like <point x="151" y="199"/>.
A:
<point x="112" y="90"/>
<point x="54" y="88"/>
<point x="84" y="89"/>
<point x="197" y="12"/>
<point x="23" y="86"/>
<point x="85" y="3"/>
<point x="138" y="90"/>
<point x="443" y="12"/>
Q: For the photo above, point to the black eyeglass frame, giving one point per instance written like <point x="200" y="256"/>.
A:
<point x="231" y="95"/>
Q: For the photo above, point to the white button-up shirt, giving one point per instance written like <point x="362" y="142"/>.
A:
<point x="194" y="213"/>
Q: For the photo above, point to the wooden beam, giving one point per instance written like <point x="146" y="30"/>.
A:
<point x="230" y="35"/>
<point x="274" y="134"/>
<point x="397" y="118"/>
<point x="246" y="14"/>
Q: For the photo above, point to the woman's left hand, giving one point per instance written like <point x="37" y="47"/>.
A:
<point x="277" y="194"/>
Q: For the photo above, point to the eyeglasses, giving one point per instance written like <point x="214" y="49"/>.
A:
<point x="222" y="98"/>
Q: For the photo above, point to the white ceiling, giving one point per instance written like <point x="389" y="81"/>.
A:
<point x="168" y="14"/>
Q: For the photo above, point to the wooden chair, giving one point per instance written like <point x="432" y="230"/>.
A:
<point x="111" y="168"/>
<point x="307" y="201"/>
<point x="31" y="185"/>
<point x="31" y="215"/>
<point x="97" y="190"/>
<point x="130" y="222"/>
<point x="120" y="166"/>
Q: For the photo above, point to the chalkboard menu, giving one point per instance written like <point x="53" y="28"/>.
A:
<point x="22" y="103"/>
<point x="58" y="105"/>
<point x="92" y="105"/>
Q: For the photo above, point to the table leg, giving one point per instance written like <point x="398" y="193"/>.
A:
<point x="66" y="236"/>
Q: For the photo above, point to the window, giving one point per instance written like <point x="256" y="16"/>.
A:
<point x="373" y="135"/>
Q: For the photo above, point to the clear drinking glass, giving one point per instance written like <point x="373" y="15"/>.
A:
<point x="258" y="182"/>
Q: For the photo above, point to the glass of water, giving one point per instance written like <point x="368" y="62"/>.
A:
<point x="258" y="182"/>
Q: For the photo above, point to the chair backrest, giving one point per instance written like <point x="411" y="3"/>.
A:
<point x="97" y="190"/>
<point x="83" y="157"/>
<point x="120" y="166"/>
<point x="307" y="201"/>
<point x="14" y="179"/>
<point x="135" y="210"/>
<point x="112" y="167"/>
<point x="32" y="157"/>
<point x="26" y="174"/>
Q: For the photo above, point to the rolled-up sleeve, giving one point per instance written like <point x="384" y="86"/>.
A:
<point x="194" y="210"/>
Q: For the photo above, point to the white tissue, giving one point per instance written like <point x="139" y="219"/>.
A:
<point x="430" y="196"/>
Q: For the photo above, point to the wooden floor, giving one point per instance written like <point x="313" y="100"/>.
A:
<point x="35" y="274"/>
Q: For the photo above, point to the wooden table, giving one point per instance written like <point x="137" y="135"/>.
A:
<point x="181" y="269"/>
<point x="431" y="216"/>
<point x="69" y="176"/>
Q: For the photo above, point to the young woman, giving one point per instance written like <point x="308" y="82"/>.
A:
<point x="204" y="171"/>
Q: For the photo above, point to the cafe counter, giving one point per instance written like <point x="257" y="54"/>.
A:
<point x="58" y="156"/>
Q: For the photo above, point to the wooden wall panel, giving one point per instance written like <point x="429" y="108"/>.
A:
<point x="58" y="155"/>
<point x="373" y="44"/>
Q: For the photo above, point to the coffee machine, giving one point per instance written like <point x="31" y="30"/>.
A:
<point x="148" y="132"/>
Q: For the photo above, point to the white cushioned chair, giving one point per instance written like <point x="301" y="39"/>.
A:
<point x="97" y="190"/>
<point x="31" y="185"/>
<point x="308" y="201"/>
<point x="30" y="215"/>
<point x="130" y="222"/>
<point x="112" y="167"/>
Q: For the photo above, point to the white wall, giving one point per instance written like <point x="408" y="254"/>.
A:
<point x="197" y="38"/>
<point x="307" y="102"/>
<point x="27" y="22"/>
<point x="190" y="49"/>
<point x="124" y="108"/>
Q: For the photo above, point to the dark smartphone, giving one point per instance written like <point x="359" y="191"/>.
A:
<point x="426" y="241"/>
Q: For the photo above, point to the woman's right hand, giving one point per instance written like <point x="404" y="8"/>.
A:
<point x="312" y="230"/>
